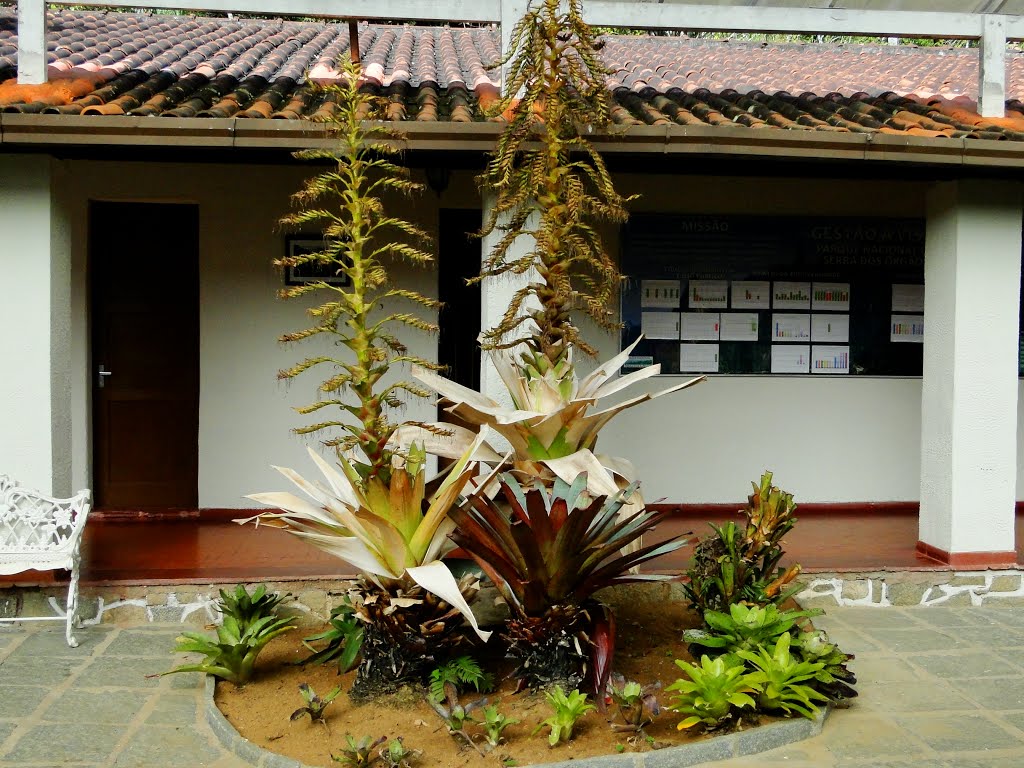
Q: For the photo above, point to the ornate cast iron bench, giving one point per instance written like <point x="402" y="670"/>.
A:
<point x="40" y="533"/>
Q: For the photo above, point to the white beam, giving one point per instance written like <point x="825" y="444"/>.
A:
<point x="31" y="42"/>
<point x="472" y="11"/>
<point x="992" y="68"/>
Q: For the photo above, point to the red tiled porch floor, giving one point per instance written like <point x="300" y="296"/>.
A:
<point x="192" y="550"/>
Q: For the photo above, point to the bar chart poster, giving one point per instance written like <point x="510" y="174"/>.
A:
<point x="700" y="326"/>
<point x="791" y="358"/>
<point x="786" y="295"/>
<point x="660" y="325"/>
<point x="698" y="358"/>
<point x="907" y="329"/>
<point x="739" y="326"/>
<point x="751" y="294"/>
<point x="709" y="294"/>
<point x="907" y="298"/>
<point x="830" y="297"/>
<point x="786" y="327"/>
<point x="664" y="294"/>
<point x="833" y="329"/>
<point x="830" y="359"/>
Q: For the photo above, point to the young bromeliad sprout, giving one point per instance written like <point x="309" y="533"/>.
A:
<point x="455" y="715"/>
<point x="359" y="754"/>
<point x="834" y="679"/>
<point x="315" y="705"/>
<point x="395" y="754"/>
<point x="568" y="709"/>
<point x="232" y="654"/>
<point x="246" y="608"/>
<point x="783" y="681"/>
<point x="637" y="704"/>
<point x="547" y="556"/>
<point x="494" y="724"/>
<point x="712" y="692"/>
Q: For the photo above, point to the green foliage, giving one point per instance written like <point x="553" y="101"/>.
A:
<point x="461" y="671"/>
<point x="245" y="608"/>
<point x="741" y="564"/>
<point x="637" y="705"/>
<point x="550" y="182"/>
<point x="541" y="556"/>
<point x="494" y="724"/>
<point x="315" y="705"/>
<point x="395" y="754"/>
<point x="745" y="628"/>
<point x="232" y="655"/>
<point x="715" y="690"/>
<point x="782" y="679"/>
<point x="454" y="714"/>
<point x="834" y="679"/>
<point x="342" y="640"/>
<point x="358" y="754"/>
<point x="567" y="711"/>
<point x="346" y="202"/>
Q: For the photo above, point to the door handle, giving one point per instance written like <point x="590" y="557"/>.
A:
<point x="101" y="376"/>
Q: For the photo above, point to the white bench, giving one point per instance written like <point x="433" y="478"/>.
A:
<point x="43" y="534"/>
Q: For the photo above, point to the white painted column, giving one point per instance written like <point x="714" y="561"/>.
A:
<point x="31" y="42"/>
<point x="495" y="295"/>
<point x="969" y="390"/>
<point x="35" y="321"/>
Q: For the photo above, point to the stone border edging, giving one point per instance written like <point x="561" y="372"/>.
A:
<point x="737" y="744"/>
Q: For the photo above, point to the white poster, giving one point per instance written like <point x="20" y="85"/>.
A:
<point x="907" y="328"/>
<point x="907" y="298"/>
<point x="830" y="328"/>
<point x="660" y="325"/>
<point x="739" y="326"/>
<point x="830" y="359"/>
<point x="831" y="296"/>
<point x="660" y="293"/>
<point x="787" y="327"/>
<point x="791" y="358"/>
<point x="751" y="294"/>
<point x="709" y="294"/>
<point x="786" y="295"/>
<point x="699" y="326"/>
<point x="698" y="358"/>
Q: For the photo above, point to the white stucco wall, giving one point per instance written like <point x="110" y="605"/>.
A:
<point x="701" y="445"/>
<point x="827" y="439"/>
<point x="245" y="413"/>
<point x="34" y="326"/>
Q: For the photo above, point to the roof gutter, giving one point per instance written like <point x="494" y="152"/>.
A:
<point x="26" y="131"/>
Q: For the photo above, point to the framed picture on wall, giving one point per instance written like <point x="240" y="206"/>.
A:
<point x="310" y="271"/>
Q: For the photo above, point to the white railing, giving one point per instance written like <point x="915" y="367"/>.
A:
<point x="992" y="30"/>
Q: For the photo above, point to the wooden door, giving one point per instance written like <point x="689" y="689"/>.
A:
<point x="144" y="272"/>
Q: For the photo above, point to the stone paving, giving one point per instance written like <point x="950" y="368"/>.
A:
<point x="941" y="687"/>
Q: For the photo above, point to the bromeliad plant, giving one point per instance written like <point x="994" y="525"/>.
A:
<point x="378" y="513"/>
<point x="343" y="639"/>
<point x="741" y="564"/>
<point x="555" y="549"/>
<point x="568" y="709"/>
<point x="715" y="691"/>
<point x="834" y="679"/>
<point x="247" y="609"/>
<point x="637" y="704"/>
<point x="232" y="654"/>
<point x="359" y="754"/>
<point x="314" y="705"/>
<point x="783" y="681"/>
<point x="746" y="628"/>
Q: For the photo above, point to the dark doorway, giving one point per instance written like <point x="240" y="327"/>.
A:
<point x="459" y="259"/>
<point x="144" y="274"/>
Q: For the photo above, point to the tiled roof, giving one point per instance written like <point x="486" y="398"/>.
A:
<point x="183" y="66"/>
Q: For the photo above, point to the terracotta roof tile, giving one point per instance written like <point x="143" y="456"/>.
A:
<point x="183" y="66"/>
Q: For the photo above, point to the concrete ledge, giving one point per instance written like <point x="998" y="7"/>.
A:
<point x="738" y="744"/>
